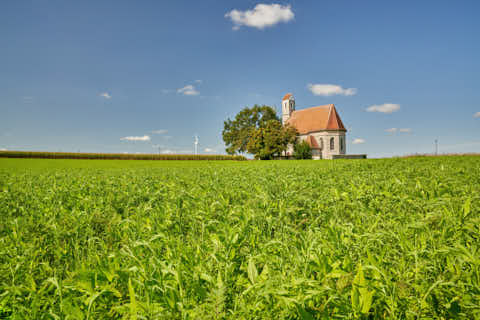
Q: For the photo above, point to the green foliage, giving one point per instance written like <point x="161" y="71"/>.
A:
<point x="372" y="239"/>
<point x="114" y="156"/>
<point x="237" y="133"/>
<point x="259" y="131"/>
<point x="360" y="295"/>
<point x="302" y="151"/>
<point x="271" y="140"/>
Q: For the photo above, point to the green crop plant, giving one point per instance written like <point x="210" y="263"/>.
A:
<point x="343" y="239"/>
<point x="115" y="156"/>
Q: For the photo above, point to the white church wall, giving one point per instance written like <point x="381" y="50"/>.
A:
<point x="323" y="140"/>
<point x="316" y="154"/>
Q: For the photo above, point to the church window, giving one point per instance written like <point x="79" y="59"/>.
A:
<point x="332" y="143"/>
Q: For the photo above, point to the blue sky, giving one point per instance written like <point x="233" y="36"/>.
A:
<point x="132" y="76"/>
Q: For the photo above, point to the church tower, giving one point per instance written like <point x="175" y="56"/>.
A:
<point x="288" y="106"/>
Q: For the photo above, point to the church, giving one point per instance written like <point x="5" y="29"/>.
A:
<point x="321" y="127"/>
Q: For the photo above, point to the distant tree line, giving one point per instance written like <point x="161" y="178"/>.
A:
<point x="115" y="156"/>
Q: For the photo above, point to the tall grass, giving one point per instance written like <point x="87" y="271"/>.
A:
<point x="395" y="239"/>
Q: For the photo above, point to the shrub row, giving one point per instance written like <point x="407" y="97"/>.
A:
<point x="114" y="156"/>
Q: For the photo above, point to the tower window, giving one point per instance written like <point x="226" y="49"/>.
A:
<point x="341" y="144"/>
<point x="332" y="143"/>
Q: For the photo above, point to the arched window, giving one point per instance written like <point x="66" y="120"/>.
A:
<point x="332" y="143"/>
<point x="342" y="146"/>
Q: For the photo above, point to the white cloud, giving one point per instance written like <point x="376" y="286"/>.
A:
<point x="384" y="108"/>
<point x="262" y="16"/>
<point x="358" y="141"/>
<point x="161" y="131"/>
<point x="133" y="138"/>
<point x="209" y="150"/>
<point x="198" y="81"/>
<point x="477" y="115"/>
<point x="330" y="90"/>
<point x="188" y="90"/>
<point x="177" y="151"/>
<point x="105" y="95"/>
<point x="3" y="149"/>
<point x="402" y="130"/>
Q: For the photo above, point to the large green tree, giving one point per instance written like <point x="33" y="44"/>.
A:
<point x="271" y="140"/>
<point x="238" y="132"/>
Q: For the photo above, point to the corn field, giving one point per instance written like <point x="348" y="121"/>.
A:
<point x="358" y="239"/>
<point x="116" y="156"/>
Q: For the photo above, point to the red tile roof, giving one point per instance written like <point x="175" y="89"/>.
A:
<point x="312" y="142"/>
<point x="287" y="96"/>
<point x="316" y="119"/>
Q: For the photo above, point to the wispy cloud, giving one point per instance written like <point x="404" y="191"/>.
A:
<point x="27" y="99"/>
<point x="262" y="16"/>
<point x="209" y="150"/>
<point x="477" y="115"/>
<point x="188" y="90"/>
<point x="161" y="131"/>
<point x="384" y="108"/>
<point x="135" y="138"/>
<point x="3" y="149"/>
<point x="166" y="91"/>
<point x="198" y="81"/>
<point x="330" y="90"/>
<point x="402" y="130"/>
<point x="105" y="95"/>
<point x="176" y="151"/>
<point x="358" y="141"/>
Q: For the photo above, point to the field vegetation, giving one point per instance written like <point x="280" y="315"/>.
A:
<point x="115" y="156"/>
<point x="344" y="239"/>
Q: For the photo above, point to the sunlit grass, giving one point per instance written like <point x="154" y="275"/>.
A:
<point x="88" y="239"/>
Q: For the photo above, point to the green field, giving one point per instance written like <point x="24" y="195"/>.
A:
<point x="111" y="239"/>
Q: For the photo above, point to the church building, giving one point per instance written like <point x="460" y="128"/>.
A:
<point x="321" y="127"/>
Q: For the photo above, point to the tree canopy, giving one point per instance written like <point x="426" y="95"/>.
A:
<point x="258" y="131"/>
<point x="302" y="151"/>
<point x="237" y="133"/>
